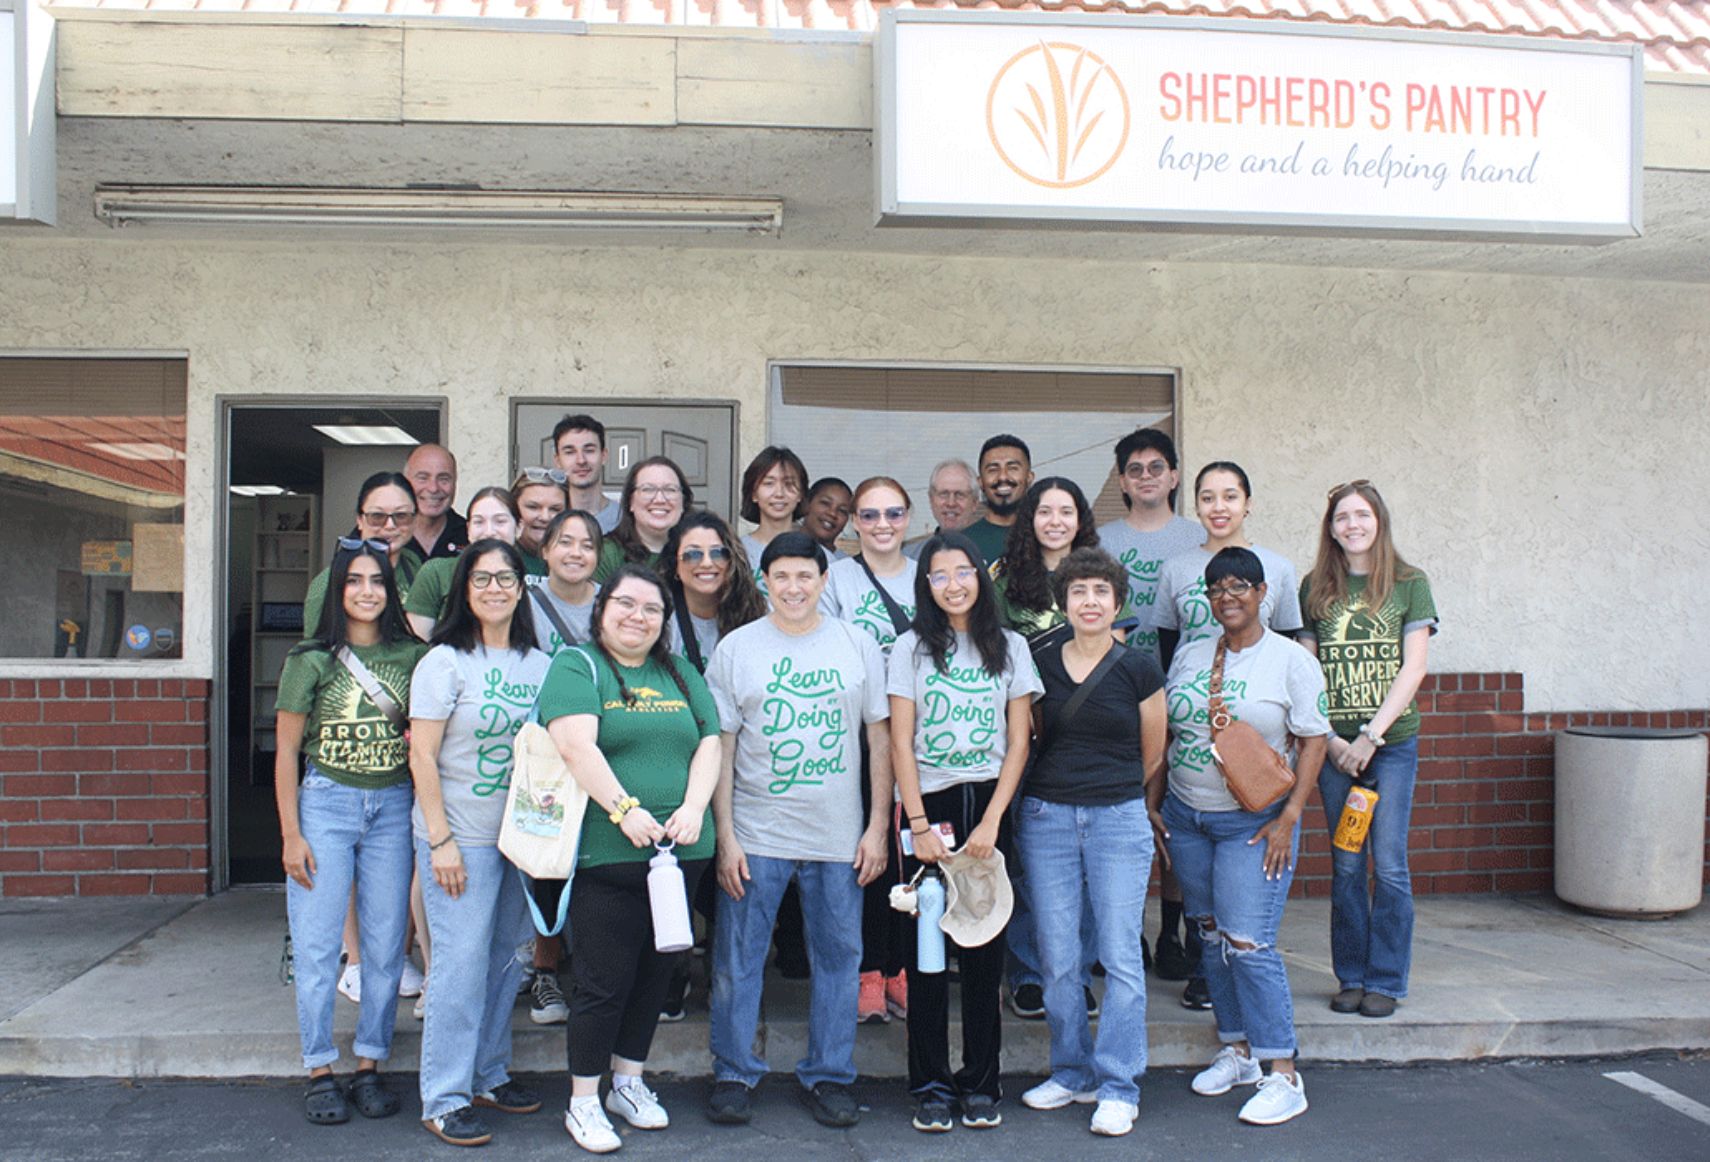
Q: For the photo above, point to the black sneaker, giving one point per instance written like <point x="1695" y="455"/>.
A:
<point x="1173" y="962"/>
<point x="461" y="1127"/>
<point x="1197" y="995"/>
<point x="932" y="1116"/>
<point x="546" y="1000"/>
<point x="1027" y="1001"/>
<point x="730" y="1104"/>
<point x="675" y="1005"/>
<point x="980" y="1112"/>
<point x="509" y="1098"/>
<point x="832" y="1105"/>
<point x="1092" y="1003"/>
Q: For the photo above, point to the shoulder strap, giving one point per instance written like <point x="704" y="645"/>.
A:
<point x="686" y="628"/>
<point x="383" y="701"/>
<point x="544" y="604"/>
<point x="900" y="621"/>
<point x="1072" y="707"/>
<point x="1219" y="712"/>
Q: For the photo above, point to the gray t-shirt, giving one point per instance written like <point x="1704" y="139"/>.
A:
<point x="1143" y="555"/>
<point x="706" y="636"/>
<point x="798" y="706"/>
<point x="607" y="518"/>
<point x="1274" y="686"/>
<point x="850" y="597"/>
<point x="1181" y="605"/>
<point x="577" y="618"/>
<point x="960" y="732"/>
<point x="483" y="697"/>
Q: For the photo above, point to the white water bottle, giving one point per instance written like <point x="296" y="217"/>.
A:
<point x="670" y="900"/>
<point x="929" y="937"/>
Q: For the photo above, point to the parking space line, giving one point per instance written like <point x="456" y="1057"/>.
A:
<point x="1677" y="1102"/>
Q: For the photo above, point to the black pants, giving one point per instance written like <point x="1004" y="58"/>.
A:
<point x="882" y="942"/>
<point x="981" y="970"/>
<point x="617" y="978"/>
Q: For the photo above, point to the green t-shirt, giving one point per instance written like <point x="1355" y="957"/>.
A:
<point x="533" y="566"/>
<point x="612" y="559"/>
<point x="431" y="587"/>
<point x="346" y="736"/>
<point x="1360" y="650"/>
<point x="988" y="538"/>
<point x="648" y="743"/>
<point x="409" y="564"/>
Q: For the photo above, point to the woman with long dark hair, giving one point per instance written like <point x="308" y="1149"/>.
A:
<point x="1370" y="617"/>
<point x="655" y="496"/>
<point x="774" y="499"/>
<point x="1052" y="520"/>
<point x="640" y="734"/>
<point x="711" y="593"/>
<point x="386" y="513"/>
<point x="470" y="695"/>
<point x="961" y="688"/>
<point x="341" y="705"/>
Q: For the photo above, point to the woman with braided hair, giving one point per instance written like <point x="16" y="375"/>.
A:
<point x="639" y="730"/>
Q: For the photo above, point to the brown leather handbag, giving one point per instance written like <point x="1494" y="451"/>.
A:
<point x="1256" y="775"/>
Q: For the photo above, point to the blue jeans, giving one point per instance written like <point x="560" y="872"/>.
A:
<point x="1023" y="961"/>
<point x="1371" y="937"/>
<point x="1101" y="854"/>
<point x="360" y="837"/>
<point x="831" y="917"/>
<point x="466" y="1030"/>
<point x="1223" y="881"/>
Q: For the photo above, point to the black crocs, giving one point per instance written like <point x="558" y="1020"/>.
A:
<point x="370" y="1096"/>
<point x="324" y="1103"/>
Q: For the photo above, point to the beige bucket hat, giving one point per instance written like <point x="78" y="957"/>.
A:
<point x="977" y="898"/>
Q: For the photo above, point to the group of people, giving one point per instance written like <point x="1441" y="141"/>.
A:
<point x="805" y="729"/>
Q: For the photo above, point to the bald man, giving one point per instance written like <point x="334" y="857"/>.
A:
<point x="432" y="472"/>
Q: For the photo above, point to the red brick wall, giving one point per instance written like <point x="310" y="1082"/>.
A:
<point x="1484" y="809"/>
<point x="103" y="787"/>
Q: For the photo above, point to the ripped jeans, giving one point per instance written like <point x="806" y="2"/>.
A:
<point x="1238" y="911"/>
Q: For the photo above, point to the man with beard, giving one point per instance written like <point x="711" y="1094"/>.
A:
<point x="1006" y="471"/>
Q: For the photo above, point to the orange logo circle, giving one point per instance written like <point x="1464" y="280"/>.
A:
<point x="1057" y="115"/>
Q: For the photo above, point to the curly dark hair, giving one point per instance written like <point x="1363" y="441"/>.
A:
<point x="1089" y="564"/>
<point x="1028" y="584"/>
<point x="739" y="602"/>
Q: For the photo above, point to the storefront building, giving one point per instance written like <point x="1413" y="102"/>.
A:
<point x="685" y="242"/>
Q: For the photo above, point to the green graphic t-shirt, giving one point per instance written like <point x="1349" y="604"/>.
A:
<point x="850" y="596"/>
<point x="1360" y="649"/>
<point x="961" y="732"/>
<point x="409" y="564"/>
<point x="648" y="742"/>
<point x="1143" y="555"/>
<point x="346" y="736"/>
<point x="431" y="587"/>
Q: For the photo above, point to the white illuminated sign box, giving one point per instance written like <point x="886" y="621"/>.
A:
<point x="1221" y="124"/>
<point x="27" y="169"/>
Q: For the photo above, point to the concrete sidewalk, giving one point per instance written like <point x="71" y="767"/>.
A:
<point x="192" y="989"/>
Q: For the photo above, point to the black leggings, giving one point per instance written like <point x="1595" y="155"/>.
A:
<point x="617" y="978"/>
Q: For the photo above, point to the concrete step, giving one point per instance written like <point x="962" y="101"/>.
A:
<point x="199" y="996"/>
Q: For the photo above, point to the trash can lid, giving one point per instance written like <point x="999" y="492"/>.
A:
<point x="1647" y="733"/>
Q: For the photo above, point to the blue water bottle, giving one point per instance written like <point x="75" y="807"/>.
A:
<point x="929" y="937"/>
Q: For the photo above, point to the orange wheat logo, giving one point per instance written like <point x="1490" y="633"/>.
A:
<point x="1057" y="115"/>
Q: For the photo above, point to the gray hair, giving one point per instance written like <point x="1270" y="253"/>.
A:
<point x="953" y="462"/>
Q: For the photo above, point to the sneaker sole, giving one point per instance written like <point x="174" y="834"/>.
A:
<point x="613" y="1148"/>
<point x="873" y="1019"/>
<point x="1113" y="1133"/>
<point x="673" y="1018"/>
<point x="1074" y="1099"/>
<point x="1220" y="1092"/>
<point x="489" y="1104"/>
<point x="436" y="1132"/>
<point x="635" y="1125"/>
<point x="548" y="1016"/>
<point x="729" y="1119"/>
<point x="990" y="1123"/>
<point x="1277" y="1121"/>
<point x="932" y="1127"/>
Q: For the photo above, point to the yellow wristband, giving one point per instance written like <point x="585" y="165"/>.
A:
<point x="624" y="806"/>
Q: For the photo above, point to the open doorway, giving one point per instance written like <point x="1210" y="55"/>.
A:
<point x="290" y="481"/>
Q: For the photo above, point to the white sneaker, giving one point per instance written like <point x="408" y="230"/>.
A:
<point x="587" y="1123"/>
<point x="1227" y="1070"/>
<point x="1048" y="1095"/>
<point x="420" y="1009"/>
<point x="350" y="983"/>
<point x="410" y="984"/>
<point x="637" y="1105"/>
<point x="1281" y="1096"/>
<point x="1114" y="1118"/>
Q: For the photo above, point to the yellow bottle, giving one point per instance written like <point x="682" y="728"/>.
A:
<point x="1356" y="818"/>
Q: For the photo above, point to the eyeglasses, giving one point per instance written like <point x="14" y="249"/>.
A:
<point x="1360" y="483"/>
<point x="1230" y="589"/>
<point x="650" y="491"/>
<point x="966" y="575"/>
<point x="507" y="578"/>
<point x="628" y="606"/>
<point x="381" y="519"/>
<point x="870" y="516"/>
<point x="1151" y="468"/>
<point x="352" y="544"/>
<point x="543" y="475"/>
<point x="963" y="495"/>
<point x="716" y="554"/>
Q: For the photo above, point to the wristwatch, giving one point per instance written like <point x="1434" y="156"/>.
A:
<point x="624" y="806"/>
<point x="1366" y="729"/>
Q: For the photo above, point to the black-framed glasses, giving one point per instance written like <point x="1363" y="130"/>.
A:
<point x="506" y="578"/>
<point x="717" y="555"/>
<point x="870" y="516"/>
<point x="382" y="519"/>
<point x="352" y="544"/>
<point x="1230" y="589"/>
<point x="543" y="475"/>
<point x="964" y="575"/>
<point x="1152" y="468"/>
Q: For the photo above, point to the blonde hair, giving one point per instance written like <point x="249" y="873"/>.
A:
<point x="1327" y="583"/>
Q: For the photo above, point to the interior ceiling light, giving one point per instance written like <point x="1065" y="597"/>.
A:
<point x="142" y="451"/>
<point x="123" y="205"/>
<point x="366" y="434"/>
<point x="259" y="490"/>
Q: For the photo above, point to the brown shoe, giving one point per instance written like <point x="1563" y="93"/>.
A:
<point x="1347" y="1001"/>
<point x="1377" y="1005"/>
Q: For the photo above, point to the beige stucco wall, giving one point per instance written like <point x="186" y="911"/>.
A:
<point x="1541" y="441"/>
